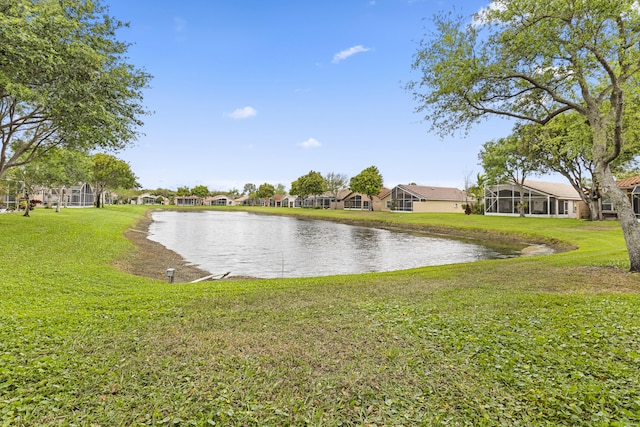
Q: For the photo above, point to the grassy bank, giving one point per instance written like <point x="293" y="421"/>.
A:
<point x="551" y="340"/>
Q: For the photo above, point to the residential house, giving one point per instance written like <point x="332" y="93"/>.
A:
<point x="423" y="198"/>
<point x="82" y="195"/>
<point x="218" y="200"/>
<point x="542" y="199"/>
<point x="187" y="201"/>
<point x="289" y="201"/>
<point x="276" y="200"/>
<point x="148" y="199"/>
<point x="359" y="201"/>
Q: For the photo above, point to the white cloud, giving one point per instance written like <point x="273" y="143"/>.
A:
<point x="349" y="52"/>
<point x="242" y="113"/>
<point x="310" y="143"/>
<point x="179" y="24"/>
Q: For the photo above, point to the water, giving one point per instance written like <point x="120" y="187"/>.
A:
<point x="266" y="246"/>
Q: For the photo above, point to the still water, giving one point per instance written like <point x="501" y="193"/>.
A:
<point x="266" y="246"/>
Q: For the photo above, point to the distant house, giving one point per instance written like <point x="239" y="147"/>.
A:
<point x="289" y="201"/>
<point x="218" y="200"/>
<point x="359" y="201"/>
<point x="82" y="196"/>
<point x="423" y="198"/>
<point x="542" y="199"/>
<point x="276" y="200"/>
<point x="187" y="201"/>
<point x="148" y="199"/>
<point x="318" y="201"/>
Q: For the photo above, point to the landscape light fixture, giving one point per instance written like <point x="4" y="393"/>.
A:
<point x="170" y="274"/>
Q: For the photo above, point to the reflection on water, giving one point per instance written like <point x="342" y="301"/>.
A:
<point x="278" y="246"/>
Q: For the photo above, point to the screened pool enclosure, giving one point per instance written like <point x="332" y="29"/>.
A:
<point x="504" y="199"/>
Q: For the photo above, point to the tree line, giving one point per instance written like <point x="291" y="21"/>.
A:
<point x="369" y="182"/>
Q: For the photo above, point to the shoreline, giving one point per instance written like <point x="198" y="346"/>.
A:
<point x="151" y="259"/>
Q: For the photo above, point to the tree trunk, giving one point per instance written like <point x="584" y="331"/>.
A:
<point x="626" y="215"/>
<point x="595" y="211"/>
<point x="520" y="188"/>
<point x="27" y="206"/>
<point x="60" y="196"/>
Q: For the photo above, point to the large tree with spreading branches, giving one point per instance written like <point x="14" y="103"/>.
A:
<point x="64" y="80"/>
<point x="533" y="60"/>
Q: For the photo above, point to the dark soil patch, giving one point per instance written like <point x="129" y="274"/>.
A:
<point x="151" y="259"/>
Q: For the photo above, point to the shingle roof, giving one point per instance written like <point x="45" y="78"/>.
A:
<point x="562" y="191"/>
<point x="435" y="193"/>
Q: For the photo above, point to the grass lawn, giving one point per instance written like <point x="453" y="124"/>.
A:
<point x="548" y="340"/>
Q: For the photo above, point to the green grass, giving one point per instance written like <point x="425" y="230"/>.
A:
<point x="549" y="340"/>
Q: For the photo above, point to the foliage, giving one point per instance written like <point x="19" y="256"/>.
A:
<point x="108" y="171"/>
<point x="512" y="158"/>
<point x="280" y="189"/>
<point x="200" y="191"/>
<point x="64" y="80"/>
<point x="265" y="191"/>
<point x="335" y="183"/>
<point x="183" y="191"/>
<point x="249" y="188"/>
<point x="310" y="184"/>
<point x="534" y="60"/>
<point x="368" y="182"/>
<point x="477" y="191"/>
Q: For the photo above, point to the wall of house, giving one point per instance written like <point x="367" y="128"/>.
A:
<point x="438" y="206"/>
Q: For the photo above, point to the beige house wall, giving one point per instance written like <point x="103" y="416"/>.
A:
<point x="438" y="206"/>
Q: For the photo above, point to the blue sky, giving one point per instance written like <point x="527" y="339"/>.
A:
<point x="253" y="91"/>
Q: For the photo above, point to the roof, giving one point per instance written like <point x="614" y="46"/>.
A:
<point x="556" y="189"/>
<point x="629" y="182"/>
<point x="435" y="193"/>
<point x="348" y="193"/>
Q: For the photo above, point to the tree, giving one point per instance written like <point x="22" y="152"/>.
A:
<point x="200" y="191"/>
<point x="311" y="184"/>
<point x="233" y="193"/>
<point x="565" y="147"/>
<point x="64" y="80"/>
<point x="249" y="188"/>
<point x="109" y="172"/>
<point x="60" y="168"/>
<point x="183" y="191"/>
<point x="512" y="158"/>
<point x="335" y="183"/>
<point x="265" y="192"/>
<point x="368" y="182"/>
<point x="477" y="191"/>
<point x="533" y="60"/>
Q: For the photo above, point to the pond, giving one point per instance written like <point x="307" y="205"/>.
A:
<point x="265" y="246"/>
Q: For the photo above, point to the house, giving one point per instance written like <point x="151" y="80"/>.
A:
<point x="631" y="187"/>
<point x="82" y="195"/>
<point x="318" y="201"/>
<point x="359" y="201"/>
<point x="422" y="198"/>
<point x="542" y="199"/>
<point x="289" y="201"/>
<point x="276" y="200"/>
<point x="187" y="201"/>
<point x="218" y="200"/>
<point x="148" y="199"/>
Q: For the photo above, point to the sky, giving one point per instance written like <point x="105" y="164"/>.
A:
<point x="255" y="91"/>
